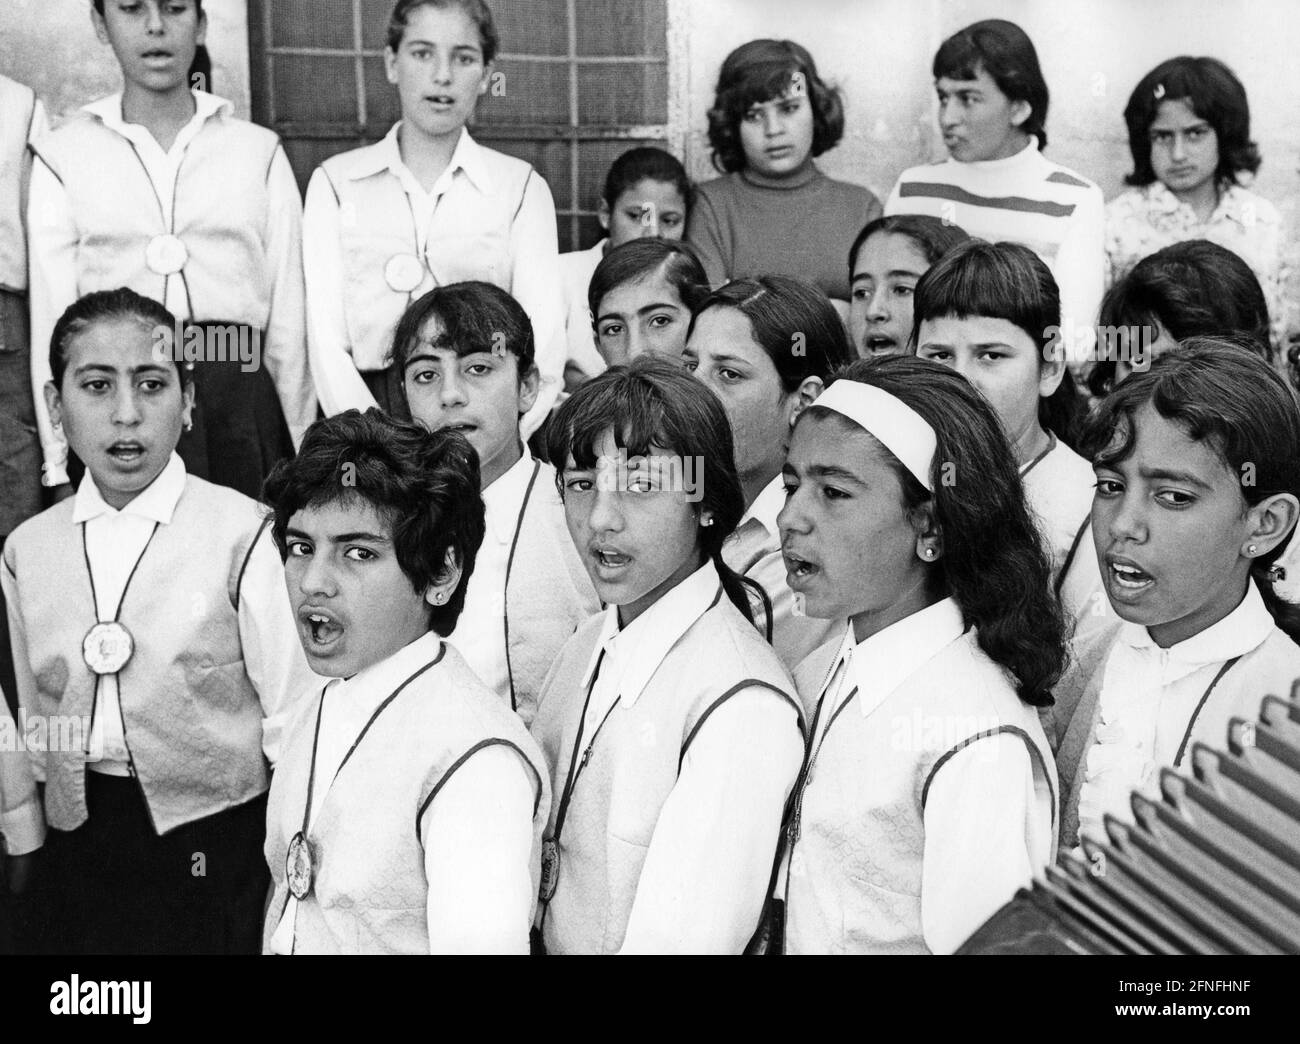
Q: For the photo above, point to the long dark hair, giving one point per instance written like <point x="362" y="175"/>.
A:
<point x="653" y="404"/>
<point x="1223" y="393"/>
<point x="1214" y="94"/>
<point x="994" y="564"/>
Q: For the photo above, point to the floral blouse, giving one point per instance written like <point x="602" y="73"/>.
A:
<point x="1143" y="220"/>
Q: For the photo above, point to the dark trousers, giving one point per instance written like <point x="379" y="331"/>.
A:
<point x="114" y="886"/>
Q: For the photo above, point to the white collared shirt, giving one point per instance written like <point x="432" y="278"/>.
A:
<point x="1148" y="698"/>
<point x="701" y="854"/>
<point x="576" y="269"/>
<point x="52" y="248"/>
<point x="480" y="634"/>
<point x="973" y="861"/>
<point x="437" y="214"/>
<point x="482" y="817"/>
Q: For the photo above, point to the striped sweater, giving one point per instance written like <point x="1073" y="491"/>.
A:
<point x="1027" y="199"/>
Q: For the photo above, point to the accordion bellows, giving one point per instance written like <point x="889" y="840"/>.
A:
<point x="1211" y="868"/>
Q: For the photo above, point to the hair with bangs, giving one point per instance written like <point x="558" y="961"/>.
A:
<point x="932" y="236"/>
<point x="1191" y="289"/>
<point x="761" y="71"/>
<point x="655" y="406"/>
<point x="994" y="564"/>
<point x="638" y="259"/>
<point x="475" y="317"/>
<point x="423" y="484"/>
<point x="1004" y="51"/>
<point x="1003" y="281"/>
<point x="1224" y="394"/>
<point x="1214" y="94"/>
<point x="793" y="322"/>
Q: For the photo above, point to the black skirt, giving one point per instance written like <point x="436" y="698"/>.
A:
<point x="239" y="431"/>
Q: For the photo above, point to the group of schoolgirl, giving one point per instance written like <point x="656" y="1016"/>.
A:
<point x="721" y="772"/>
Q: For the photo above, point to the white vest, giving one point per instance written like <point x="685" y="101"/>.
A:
<point x="616" y="802"/>
<point x="17" y="110"/>
<point x="370" y="894"/>
<point x="193" y="720"/>
<point x="220" y="214"/>
<point x="548" y="592"/>
<point x="375" y="224"/>
<point x="855" y="880"/>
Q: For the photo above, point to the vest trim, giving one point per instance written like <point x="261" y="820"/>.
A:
<point x="482" y="744"/>
<point x="1191" y="724"/>
<point x="1069" y="557"/>
<point x="748" y="683"/>
<point x="1035" y="755"/>
<point x="510" y="561"/>
<point x="239" y="582"/>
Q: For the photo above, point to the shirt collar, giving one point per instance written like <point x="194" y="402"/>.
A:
<point x="156" y="502"/>
<point x="374" y="684"/>
<point x="1241" y="631"/>
<point x="385" y="154"/>
<point x="633" y="655"/>
<point x="504" y="498"/>
<point x="1231" y="206"/>
<point x="109" y="110"/>
<point x="767" y="505"/>
<point x="878" y="665"/>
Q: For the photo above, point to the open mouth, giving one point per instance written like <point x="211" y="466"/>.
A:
<point x="464" y="429"/>
<point x="1129" y="577"/>
<point x="322" y="628"/>
<point x="610" y="560"/>
<point x="798" y="570"/>
<point x="126" y="452"/>
<point x="878" y="343"/>
<point x="440" y="101"/>
<point x="779" y="151"/>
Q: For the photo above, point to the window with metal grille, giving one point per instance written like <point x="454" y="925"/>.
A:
<point x="579" y="82"/>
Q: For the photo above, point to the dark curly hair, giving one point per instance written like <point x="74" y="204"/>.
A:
<point x="758" y="72"/>
<point x="1225" y="394"/>
<point x="656" y="406"/>
<point x="424" y="484"/>
<point x="475" y="317"/>
<point x="1214" y="94"/>
<point x="1004" y="51"/>
<point x="994" y="564"/>
<point x="1191" y="289"/>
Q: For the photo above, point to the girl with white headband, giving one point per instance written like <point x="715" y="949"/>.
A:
<point x="928" y="793"/>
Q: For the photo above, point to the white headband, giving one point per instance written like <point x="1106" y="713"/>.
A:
<point x="898" y="427"/>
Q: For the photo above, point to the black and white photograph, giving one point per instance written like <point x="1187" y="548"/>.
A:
<point x="649" y="477"/>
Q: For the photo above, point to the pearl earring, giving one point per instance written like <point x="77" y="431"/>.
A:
<point x="1251" y="549"/>
<point x="707" y="521"/>
<point x="929" y="552"/>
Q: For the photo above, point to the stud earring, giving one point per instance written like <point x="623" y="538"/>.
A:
<point x="929" y="552"/>
<point x="707" y="521"/>
<point x="1251" y="549"/>
<point x="189" y="425"/>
